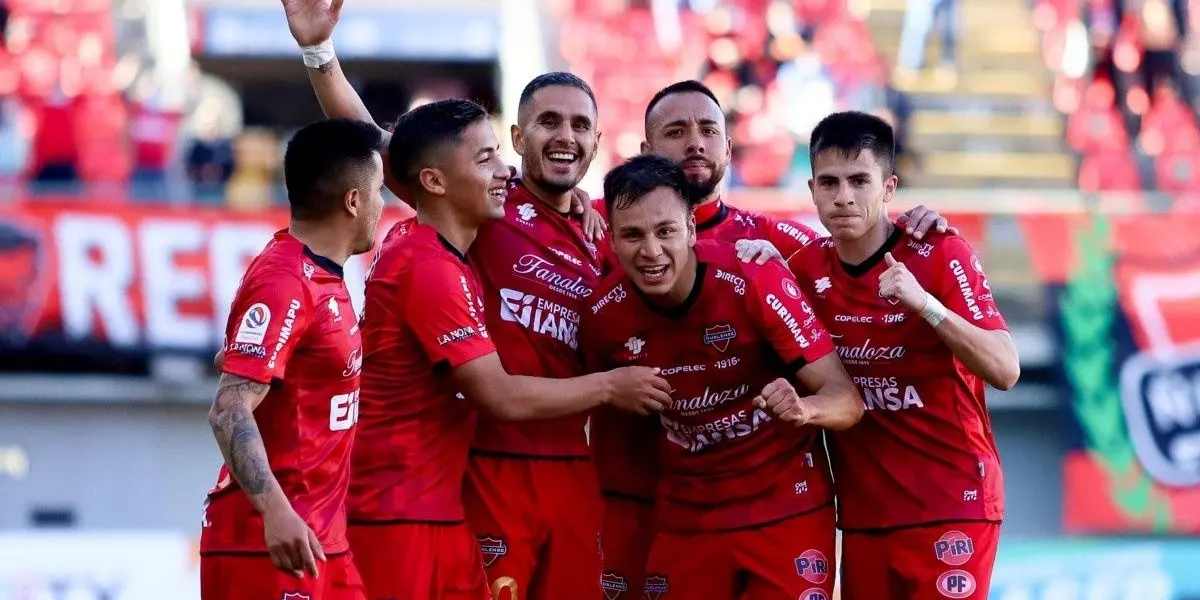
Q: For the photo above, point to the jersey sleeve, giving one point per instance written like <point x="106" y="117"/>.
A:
<point x="269" y="315"/>
<point x="445" y="314"/>
<point x="788" y="236"/>
<point x="963" y="286"/>
<point x="786" y="317"/>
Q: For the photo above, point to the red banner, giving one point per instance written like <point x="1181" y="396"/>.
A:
<point x="131" y="276"/>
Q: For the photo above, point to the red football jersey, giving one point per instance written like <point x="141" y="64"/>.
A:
<point x="924" y="451"/>
<point x="537" y="271"/>
<point x="720" y="221"/>
<point x="292" y="325"/>
<point x="423" y="316"/>
<point x="725" y="463"/>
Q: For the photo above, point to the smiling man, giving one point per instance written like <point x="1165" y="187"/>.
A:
<point x="745" y="486"/>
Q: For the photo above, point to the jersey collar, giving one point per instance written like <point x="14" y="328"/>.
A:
<point x="710" y="215"/>
<point x="865" y="266"/>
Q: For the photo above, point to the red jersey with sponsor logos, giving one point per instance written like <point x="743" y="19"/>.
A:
<point x="537" y="271"/>
<point x="291" y="325"/>
<point x="623" y="452"/>
<point x="924" y="450"/>
<point x="725" y="463"/>
<point x="423" y="316"/>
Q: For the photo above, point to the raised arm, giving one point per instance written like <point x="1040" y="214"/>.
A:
<point x="962" y="312"/>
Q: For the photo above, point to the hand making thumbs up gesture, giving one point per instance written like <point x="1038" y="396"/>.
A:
<point x="897" y="285"/>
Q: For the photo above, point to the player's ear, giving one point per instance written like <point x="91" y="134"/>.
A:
<point x="518" y="139"/>
<point x="728" y="150"/>
<point x="645" y="147"/>
<point x="889" y="187"/>
<point x="432" y="180"/>
<point x="352" y="202"/>
<point x="691" y="230"/>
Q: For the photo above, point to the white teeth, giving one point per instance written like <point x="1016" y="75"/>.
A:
<point x="497" y="193"/>
<point x="561" y="156"/>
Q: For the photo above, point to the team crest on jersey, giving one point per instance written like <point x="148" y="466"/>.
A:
<point x="492" y="548"/>
<point x="614" y="585"/>
<point x="718" y="336"/>
<point x="295" y="596"/>
<point x="656" y="586"/>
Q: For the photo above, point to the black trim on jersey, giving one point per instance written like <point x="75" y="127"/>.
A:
<point x="717" y="219"/>
<point x="254" y="553"/>
<point x="627" y="497"/>
<point x="675" y="312"/>
<point x="520" y="456"/>
<point x="326" y="264"/>
<point x="375" y="523"/>
<point x="865" y="266"/>
<point x="451" y="249"/>
<point x="276" y="383"/>
<point x="887" y="530"/>
<point x="796" y="365"/>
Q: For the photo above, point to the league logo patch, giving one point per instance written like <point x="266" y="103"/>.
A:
<point x="614" y="585"/>
<point x="719" y="336"/>
<point x="812" y="566"/>
<point x="954" y="548"/>
<point x="814" y="594"/>
<point x="492" y="549"/>
<point x="656" y="586"/>
<point x="791" y="289"/>
<point x="253" y="329"/>
<point x="295" y="596"/>
<point x="956" y="584"/>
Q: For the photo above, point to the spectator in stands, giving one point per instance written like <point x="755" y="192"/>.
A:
<point x="55" y="142"/>
<point x="257" y="160"/>
<point x="209" y="161"/>
<point x="920" y="18"/>
<point x="14" y="142"/>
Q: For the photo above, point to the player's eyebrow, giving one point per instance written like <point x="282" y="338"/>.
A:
<point x="487" y="150"/>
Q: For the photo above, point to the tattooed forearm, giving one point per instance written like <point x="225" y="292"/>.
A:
<point x="232" y="422"/>
<point x="326" y="68"/>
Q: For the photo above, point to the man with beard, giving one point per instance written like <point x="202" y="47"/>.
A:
<point x="531" y="492"/>
<point x="685" y="123"/>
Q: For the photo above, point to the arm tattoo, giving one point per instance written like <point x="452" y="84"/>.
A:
<point x="237" y="434"/>
<point x="326" y="68"/>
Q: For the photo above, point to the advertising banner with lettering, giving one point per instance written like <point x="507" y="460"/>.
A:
<point x="1126" y="303"/>
<point x="88" y="279"/>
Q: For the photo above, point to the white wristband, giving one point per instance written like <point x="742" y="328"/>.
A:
<point x="934" y="312"/>
<point x="319" y="55"/>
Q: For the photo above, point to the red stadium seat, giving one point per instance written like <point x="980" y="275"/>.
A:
<point x="1168" y="126"/>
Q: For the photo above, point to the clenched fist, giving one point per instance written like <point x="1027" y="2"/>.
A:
<point x="781" y="399"/>
<point x="638" y="389"/>
<point x="898" y="286"/>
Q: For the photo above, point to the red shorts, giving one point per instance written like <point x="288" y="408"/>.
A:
<point x="254" y="577"/>
<point x="788" y="560"/>
<point x="418" y="561"/>
<point x="950" y="560"/>
<point x="625" y="539"/>
<point x="538" y="523"/>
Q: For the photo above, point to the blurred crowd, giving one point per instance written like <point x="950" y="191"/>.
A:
<point x="74" y="108"/>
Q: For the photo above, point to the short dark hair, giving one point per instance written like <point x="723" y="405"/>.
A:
<point x="551" y="79"/>
<point x="680" y="87"/>
<point x="323" y="160"/>
<point x="422" y="131"/>
<point x="851" y="132"/>
<point x="626" y="184"/>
